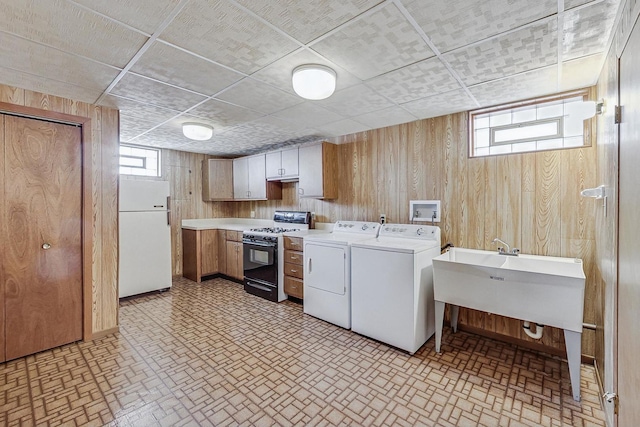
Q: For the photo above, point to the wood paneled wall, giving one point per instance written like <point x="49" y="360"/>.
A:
<point x="104" y="138"/>
<point x="530" y="200"/>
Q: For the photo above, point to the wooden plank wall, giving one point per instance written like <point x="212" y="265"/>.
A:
<point x="104" y="167"/>
<point x="530" y="200"/>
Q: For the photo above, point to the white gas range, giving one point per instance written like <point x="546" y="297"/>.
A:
<point x="263" y="258"/>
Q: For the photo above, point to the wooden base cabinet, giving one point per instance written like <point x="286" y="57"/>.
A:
<point x="293" y="267"/>
<point x="199" y="253"/>
<point x="208" y="252"/>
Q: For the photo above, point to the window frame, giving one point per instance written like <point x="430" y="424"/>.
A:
<point x="144" y="160"/>
<point x="586" y="134"/>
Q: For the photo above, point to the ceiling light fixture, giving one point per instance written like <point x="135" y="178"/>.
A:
<point x="197" y="131"/>
<point x="313" y="81"/>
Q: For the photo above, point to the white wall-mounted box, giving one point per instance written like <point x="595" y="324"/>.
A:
<point x="424" y="210"/>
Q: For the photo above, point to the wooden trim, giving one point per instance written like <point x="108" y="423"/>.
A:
<point x="36" y="113"/>
<point x="103" y="333"/>
<point x="87" y="198"/>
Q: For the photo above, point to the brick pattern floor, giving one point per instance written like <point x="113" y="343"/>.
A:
<point x="210" y="354"/>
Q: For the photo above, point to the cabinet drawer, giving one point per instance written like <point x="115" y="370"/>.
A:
<point x="293" y="257"/>
<point x="293" y="287"/>
<point x="293" y="270"/>
<point x="235" y="236"/>
<point x="294" y="243"/>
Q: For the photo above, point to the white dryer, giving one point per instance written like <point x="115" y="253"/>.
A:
<point x="327" y="270"/>
<point x="392" y="285"/>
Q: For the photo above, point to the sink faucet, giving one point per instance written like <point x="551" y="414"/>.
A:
<point x="509" y="251"/>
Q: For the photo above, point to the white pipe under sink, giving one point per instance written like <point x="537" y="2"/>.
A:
<point x="527" y="330"/>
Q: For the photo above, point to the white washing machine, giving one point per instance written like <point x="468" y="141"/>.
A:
<point x="327" y="270"/>
<point x="392" y="285"/>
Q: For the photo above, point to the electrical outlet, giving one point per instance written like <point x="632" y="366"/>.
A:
<point x="253" y="214"/>
<point x="383" y="219"/>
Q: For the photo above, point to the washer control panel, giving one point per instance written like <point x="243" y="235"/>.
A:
<point x="361" y="227"/>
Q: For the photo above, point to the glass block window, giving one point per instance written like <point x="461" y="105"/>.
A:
<point x="542" y="124"/>
<point x="141" y="161"/>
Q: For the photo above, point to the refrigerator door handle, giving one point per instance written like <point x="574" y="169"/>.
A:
<point x="168" y="202"/>
<point x="169" y="218"/>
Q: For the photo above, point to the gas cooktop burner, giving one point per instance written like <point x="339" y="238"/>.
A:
<point x="273" y="230"/>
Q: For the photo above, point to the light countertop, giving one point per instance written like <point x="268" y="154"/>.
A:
<point x="242" y="224"/>
<point x="305" y="233"/>
<point x="236" y="224"/>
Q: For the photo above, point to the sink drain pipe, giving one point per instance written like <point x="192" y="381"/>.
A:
<point x="527" y="330"/>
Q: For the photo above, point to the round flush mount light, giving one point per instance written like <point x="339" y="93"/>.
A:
<point x="197" y="131"/>
<point x="314" y="81"/>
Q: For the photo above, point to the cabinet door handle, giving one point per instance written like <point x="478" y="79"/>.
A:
<point x="301" y="191"/>
<point x="294" y="258"/>
<point x="46" y="246"/>
<point x="294" y="271"/>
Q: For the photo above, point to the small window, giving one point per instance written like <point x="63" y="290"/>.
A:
<point x="140" y="161"/>
<point x="541" y="124"/>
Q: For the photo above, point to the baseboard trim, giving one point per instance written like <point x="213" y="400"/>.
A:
<point x="104" y="333"/>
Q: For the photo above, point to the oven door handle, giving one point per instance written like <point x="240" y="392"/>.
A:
<point x="264" y="245"/>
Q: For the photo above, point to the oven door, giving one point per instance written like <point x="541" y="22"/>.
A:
<point x="261" y="262"/>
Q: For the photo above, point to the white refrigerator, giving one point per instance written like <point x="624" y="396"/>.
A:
<point x="145" y="237"/>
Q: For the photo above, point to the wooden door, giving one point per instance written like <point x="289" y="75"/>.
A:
<point x="628" y="375"/>
<point x="310" y="171"/>
<point x="2" y="252"/>
<point x="240" y="178"/>
<point x="41" y="235"/>
<point x="232" y="259"/>
<point x="209" y="248"/>
<point x="257" y="177"/>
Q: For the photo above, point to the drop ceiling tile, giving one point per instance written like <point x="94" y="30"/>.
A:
<point x="543" y="81"/>
<point x="36" y="59"/>
<point x="581" y="72"/>
<point x="441" y="104"/>
<point x="224" y="114"/>
<point x="387" y="117"/>
<point x="570" y="4"/>
<point x="174" y="66"/>
<point x="343" y="127"/>
<point x="415" y="81"/>
<point x="526" y="49"/>
<point x="145" y="15"/>
<point x="68" y="27"/>
<point x="250" y="93"/>
<point x="279" y="73"/>
<point x="308" y="114"/>
<point x="454" y="23"/>
<point x="150" y="91"/>
<point x="305" y="21"/>
<point x="222" y="32"/>
<point x="49" y="86"/>
<point x="375" y="44"/>
<point x="355" y="100"/>
<point x="131" y="127"/>
<point x="139" y="110"/>
<point x="586" y="30"/>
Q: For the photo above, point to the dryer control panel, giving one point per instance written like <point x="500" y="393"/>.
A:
<point x="360" y="227"/>
<point x="411" y="231"/>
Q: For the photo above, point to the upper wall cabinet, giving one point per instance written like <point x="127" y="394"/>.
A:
<point x="318" y="171"/>
<point x="282" y="165"/>
<point x="249" y="180"/>
<point x="217" y="180"/>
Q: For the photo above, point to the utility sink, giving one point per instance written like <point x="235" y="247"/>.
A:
<point x="541" y="289"/>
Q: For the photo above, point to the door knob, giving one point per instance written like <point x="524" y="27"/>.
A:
<point x="46" y="246"/>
